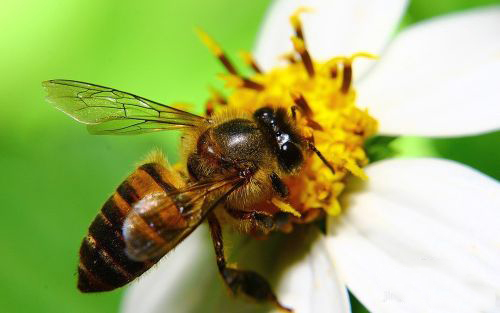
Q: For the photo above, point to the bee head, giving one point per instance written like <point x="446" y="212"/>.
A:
<point x="287" y="143"/>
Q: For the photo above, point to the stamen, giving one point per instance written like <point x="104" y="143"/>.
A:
<point x="334" y="71"/>
<point x="217" y="51"/>
<point x="299" y="43"/>
<point x="297" y="23"/>
<point x="305" y="108"/>
<point x="217" y="96"/>
<point x="346" y="68"/>
<point x="367" y="55"/>
<point x="248" y="58"/>
<point x="301" y="102"/>
<point x="346" y="77"/>
<point x="241" y="82"/>
<point x="300" y="47"/>
<point x="248" y="83"/>
<point x="290" y="57"/>
<point x="209" y="108"/>
<point x="216" y="99"/>
<point x="294" y="112"/>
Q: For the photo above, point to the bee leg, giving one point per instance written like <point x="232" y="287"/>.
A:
<point x="278" y="185"/>
<point x="248" y="283"/>
<point x="262" y="219"/>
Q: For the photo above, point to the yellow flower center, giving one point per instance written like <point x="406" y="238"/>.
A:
<point x="324" y="102"/>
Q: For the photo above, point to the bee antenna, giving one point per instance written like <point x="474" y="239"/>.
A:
<point x="321" y="156"/>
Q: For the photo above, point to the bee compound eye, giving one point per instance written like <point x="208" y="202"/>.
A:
<point x="290" y="156"/>
<point x="264" y="114"/>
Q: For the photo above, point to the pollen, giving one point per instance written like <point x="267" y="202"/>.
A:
<point x="322" y="99"/>
<point x="285" y="207"/>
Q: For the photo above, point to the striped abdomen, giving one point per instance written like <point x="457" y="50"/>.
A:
<point x="104" y="265"/>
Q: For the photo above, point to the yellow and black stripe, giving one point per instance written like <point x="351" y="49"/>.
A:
<point x="104" y="264"/>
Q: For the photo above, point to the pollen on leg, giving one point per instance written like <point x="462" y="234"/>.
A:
<point x="285" y="207"/>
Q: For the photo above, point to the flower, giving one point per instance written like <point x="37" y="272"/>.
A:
<point x="420" y="235"/>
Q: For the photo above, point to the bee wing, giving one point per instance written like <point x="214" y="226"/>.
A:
<point x="110" y="111"/>
<point x="159" y="221"/>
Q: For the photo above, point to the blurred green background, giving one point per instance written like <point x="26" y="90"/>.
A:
<point x="55" y="176"/>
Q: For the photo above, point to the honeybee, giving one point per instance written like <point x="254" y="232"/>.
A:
<point x="235" y="162"/>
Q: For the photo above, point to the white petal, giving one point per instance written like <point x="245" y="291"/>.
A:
<point x="187" y="279"/>
<point x="335" y="27"/>
<point x="422" y="236"/>
<point x="312" y="284"/>
<point x="439" y="78"/>
<point x="163" y="286"/>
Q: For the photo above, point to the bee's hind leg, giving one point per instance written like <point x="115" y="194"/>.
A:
<point x="240" y="281"/>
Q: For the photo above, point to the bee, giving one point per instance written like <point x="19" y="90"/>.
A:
<point x="234" y="164"/>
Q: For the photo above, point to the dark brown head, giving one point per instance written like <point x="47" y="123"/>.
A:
<point x="287" y="144"/>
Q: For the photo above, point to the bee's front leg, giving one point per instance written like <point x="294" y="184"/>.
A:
<point x="239" y="281"/>
<point x="262" y="220"/>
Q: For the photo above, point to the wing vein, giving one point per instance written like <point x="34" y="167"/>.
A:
<point x="111" y="111"/>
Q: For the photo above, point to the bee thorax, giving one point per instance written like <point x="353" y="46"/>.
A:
<point x="237" y="146"/>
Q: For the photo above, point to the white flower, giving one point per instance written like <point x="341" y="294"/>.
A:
<point x="423" y="235"/>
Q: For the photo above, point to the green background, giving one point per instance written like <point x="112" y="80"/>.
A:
<point x="55" y="176"/>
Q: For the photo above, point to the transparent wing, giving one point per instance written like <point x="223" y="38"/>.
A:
<point x="159" y="221"/>
<point x="109" y="111"/>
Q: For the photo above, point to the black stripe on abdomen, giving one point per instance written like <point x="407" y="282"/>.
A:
<point x="113" y="214"/>
<point x="151" y="170"/>
<point x="108" y="240"/>
<point x="112" y="242"/>
<point x="99" y="266"/>
<point x="127" y="192"/>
